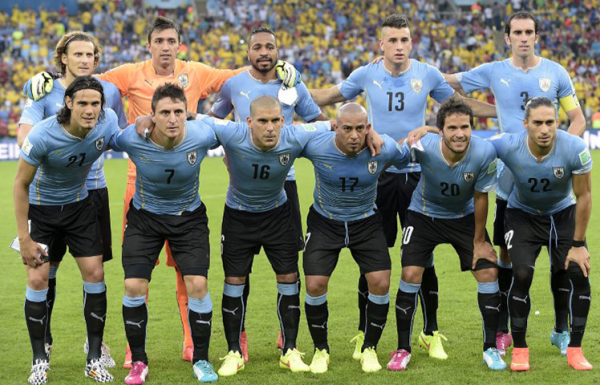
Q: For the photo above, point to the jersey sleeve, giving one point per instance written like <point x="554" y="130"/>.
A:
<point x="212" y="78"/>
<point x="486" y="180"/>
<point x="440" y="89"/>
<point x="116" y="104"/>
<point x="306" y="107"/>
<point x="582" y="159"/>
<point x="223" y="105"/>
<point x="33" y="149"/>
<point x="354" y="84"/>
<point x="476" y="79"/>
<point x="304" y="133"/>
<point x="398" y="154"/>
<point x="566" y="91"/>
<point x="120" y="141"/>
<point x="500" y="143"/>
<point x="224" y="130"/>
<point x="33" y="112"/>
<point x="120" y="77"/>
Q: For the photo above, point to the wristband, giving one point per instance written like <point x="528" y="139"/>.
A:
<point x="578" y="243"/>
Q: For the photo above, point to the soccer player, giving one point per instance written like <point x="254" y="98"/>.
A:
<point x="64" y="148"/>
<point x="513" y="81"/>
<point x="450" y="205"/>
<point x="550" y="205"/>
<point x="239" y="91"/>
<point x="138" y="81"/>
<point x="167" y="206"/>
<point x="76" y="54"/>
<point x="344" y="215"/>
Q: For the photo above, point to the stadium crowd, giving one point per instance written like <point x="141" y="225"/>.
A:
<point x="326" y="39"/>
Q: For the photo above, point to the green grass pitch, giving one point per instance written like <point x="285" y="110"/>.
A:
<point x="459" y="317"/>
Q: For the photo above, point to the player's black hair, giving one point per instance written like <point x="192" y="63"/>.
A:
<point x="536" y="102"/>
<point x="261" y="29"/>
<point x="168" y="90"/>
<point x="397" y="20"/>
<point x="80" y="83"/>
<point x="161" y="23"/>
<point x="522" y="15"/>
<point x="453" y="106"/>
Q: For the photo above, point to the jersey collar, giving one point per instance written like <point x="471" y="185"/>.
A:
<point x="512" y="64"/>
<point x="460" y="161"/>
<point x="545" y="156"/>
<point x="401" y="73"/>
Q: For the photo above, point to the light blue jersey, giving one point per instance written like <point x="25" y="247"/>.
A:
<point x="512" y="88"/>
<point x="35" y="112"/>
<point x="167" y="181"/>
<point x="256" y="177"/>
<point x="63" y="160"/>
<point x="396" y="106"/>
<point x="543" y="188"/>
<point x="446" y="191"/>
<point x="346" y="187"/>
<point x="238" y="92"/>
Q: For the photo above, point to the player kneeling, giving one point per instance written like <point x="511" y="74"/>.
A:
<point x="450" y="206"/>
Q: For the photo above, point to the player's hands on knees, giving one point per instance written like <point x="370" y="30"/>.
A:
<point x="374" y="142"/>
<point x="580" y="256"/>
<point x="32" y="252"/>
<point x="144" y="126"/>
<point x="483" y="250"/>
<point x="39" y="85"/>
<point x="288" y="74"/>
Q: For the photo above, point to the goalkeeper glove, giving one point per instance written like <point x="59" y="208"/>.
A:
<point x="287" y="73"/>
<point x="39" y="85"/>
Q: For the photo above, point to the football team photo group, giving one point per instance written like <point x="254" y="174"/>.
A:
<point x="399" y="166"/>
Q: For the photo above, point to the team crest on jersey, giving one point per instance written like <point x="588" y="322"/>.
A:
<point x="284" y="158"/>
<point x="183" y="80"/>
<point x="372" y="167"/>
<point x="558" y="172"/>
<point x="100" y="144"/>
<point x="469" y="176"/>
<point x="192" y="157"/>
<point x="416" y="85"/>
<point x="545" y="84"/>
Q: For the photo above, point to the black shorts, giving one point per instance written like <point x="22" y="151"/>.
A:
<point x="422" y="234"/>
<point x="99" y="198"/>
<point x="145" y="236"/>
<point x="527" y="233"/>
<point x="325" y="238"/>
<point x="394" y="192"/>
<point x="243" y="234"/>
<point x="74" y="225"/>
<point x="499" y="211"/>
<point x="291" y="191"/>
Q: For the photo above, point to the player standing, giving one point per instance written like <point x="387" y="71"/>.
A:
<point x="550" y="205"/>
<point x="450" y="205"/>
<point x="167" y="206"/>
<point x="64" y="147"/>
<point x="513" y="82"/>
<point x="76" y="54"/>
<point x="396" y="90"/>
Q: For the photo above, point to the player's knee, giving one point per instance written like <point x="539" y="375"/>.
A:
<point x="486" y="275"/>
<point x="37" y="282"/>
<point x="578" y="280"/>
<point x="235" y="280"/>
<point x="196" y="286"/>
<point x="523" y="275"/>
<point x="93" y="274"/>
<point x="379" y="282"/>
<point x="316" y="286"/>
<point x="136" y="287"/>
<point x="412" y="274"/>
<point x="287" y="278"/>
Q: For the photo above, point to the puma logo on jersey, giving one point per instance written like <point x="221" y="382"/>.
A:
<point x="403" y="310"/>
<point x="41" y="320"/>
<point x="505" y="82"/>
<point x="377" y="84"/>
<point x="138" y="324"/>
<point x="230" y="311"/>
<point x="327" y="165"/>
<point x="324" y="326"/>
<point x="96" y="316"/>
<point x="524" y="300"/>
<point x="148" y="82"/>
<point x="246" y="94"/>
<point x="378" y="326"/>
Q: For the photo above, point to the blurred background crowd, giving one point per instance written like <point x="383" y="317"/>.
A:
<point x="325" y="39"/>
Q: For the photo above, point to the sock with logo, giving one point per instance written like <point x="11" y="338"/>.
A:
<point x="94" y="312"/>
<point x="200" y="319"/>
<point x="317" y="315"/>
<point x="288" y="310"/>
<point x="233" y="309"/>
<point x="376" y="316"/>
<point x="36" y="317"/>
<point x="519" y="304"/>
<point x="581" y="299"/>
<point x="135" y="318"/>
<point x="490" y="301"/>
<point x="406" y="306"/>
<point x="363" y="293"/>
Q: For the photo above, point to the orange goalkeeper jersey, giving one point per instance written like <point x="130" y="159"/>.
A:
<point x="138" y="81"/>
